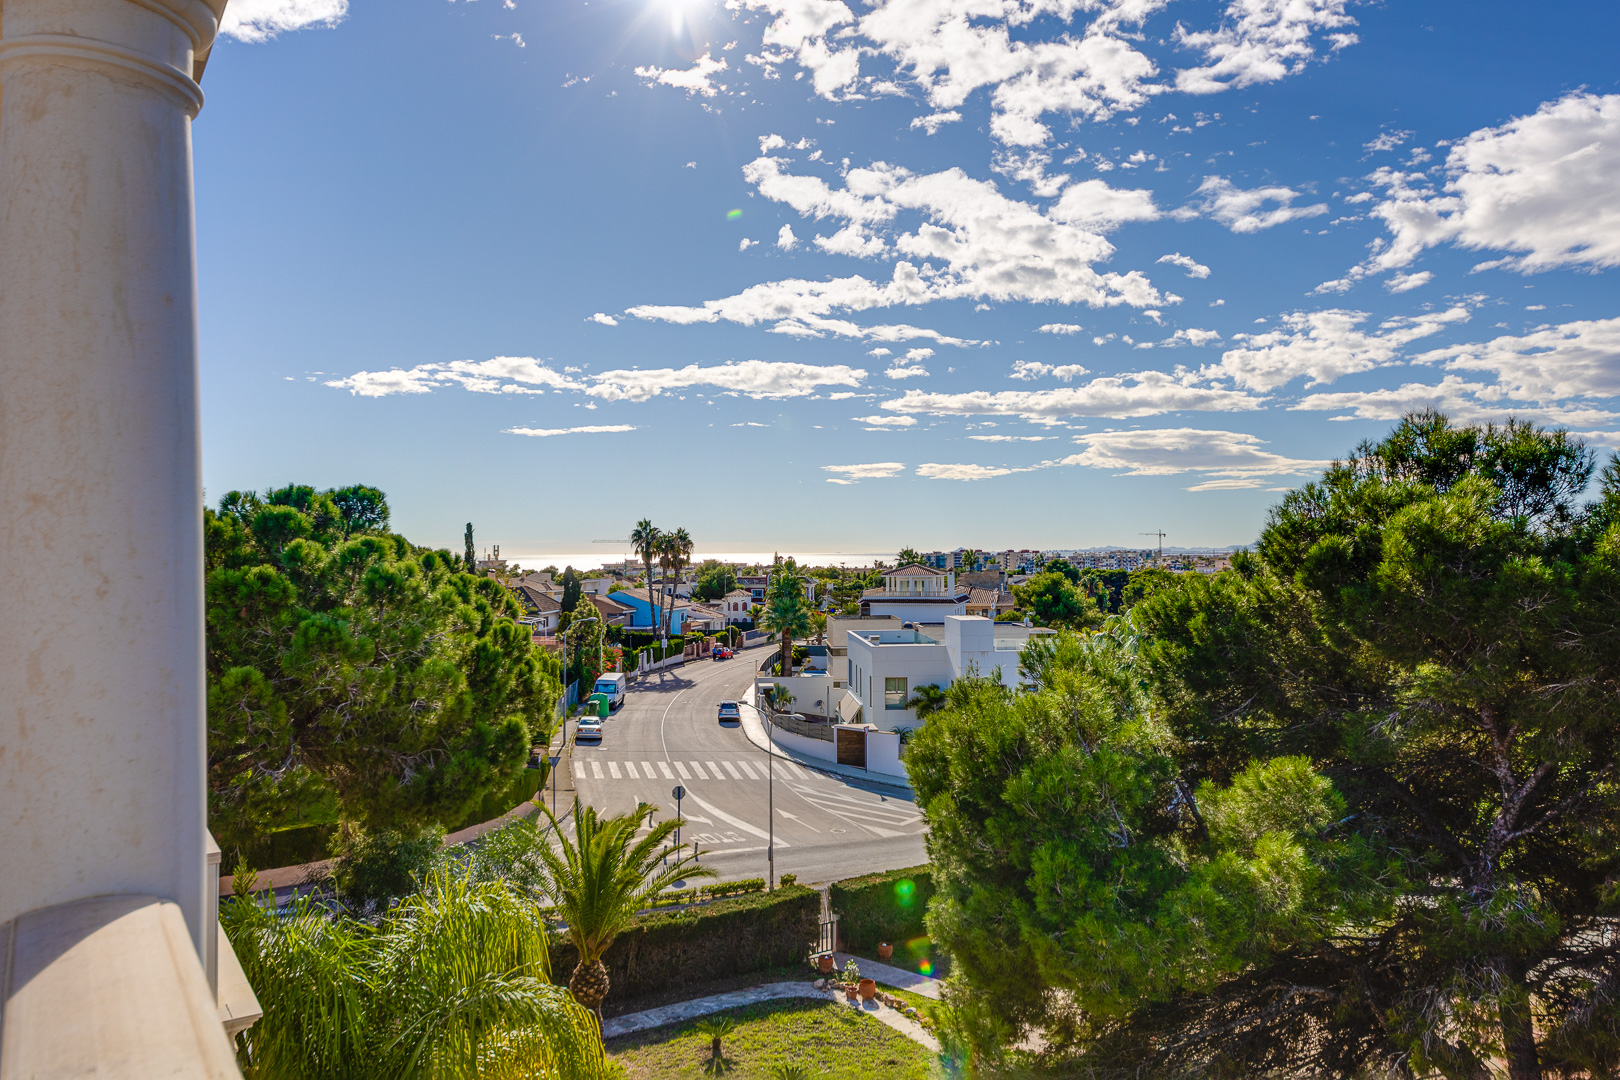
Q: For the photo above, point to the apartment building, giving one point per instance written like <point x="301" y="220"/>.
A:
<point x="886" y="666"/>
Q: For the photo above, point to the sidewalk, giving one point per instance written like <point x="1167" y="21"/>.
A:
<point x="899" y="978"/>
<point x="704" y="1006"/>
<point x="753" y="726"/>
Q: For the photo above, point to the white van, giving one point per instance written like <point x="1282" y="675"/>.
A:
<point x="611" y="683"/>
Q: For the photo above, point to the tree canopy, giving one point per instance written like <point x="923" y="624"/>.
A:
<point x="1349" y="807"/>
<point x="1055" y="600"/>
<point x="347" y="666"/>
<point x="714" y="580"/>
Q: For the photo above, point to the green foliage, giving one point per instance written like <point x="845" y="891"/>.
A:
<point x="453" y="983"/>
<point x="927" y="699"/>
<point x="662" y="950"/>
<point x="1053" y="599"/>
<point x="907" y="557"/>
<point x="1144" y="583"/>
<point x="715" y="1029"/>
<point x="786" y="612"/>
<point x="470" y="563"/>
<point x="570" y="590"/>
<point x="882" y="907"/>
<point x="374" y="869"/>
<point x="714" y="580"/>
<point x="360" y="673"/>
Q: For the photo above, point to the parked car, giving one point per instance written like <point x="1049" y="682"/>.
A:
<point x="721" y="653"/>
<point x="729" y="710"/>
<point x="589" y="730"/>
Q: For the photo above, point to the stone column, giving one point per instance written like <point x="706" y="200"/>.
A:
<point x="102" y="747"/>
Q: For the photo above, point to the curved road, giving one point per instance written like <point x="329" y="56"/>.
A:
<point x="826" y="827"/>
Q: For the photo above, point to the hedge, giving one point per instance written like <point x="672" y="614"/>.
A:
<point x="664" y="950"/>
<point x="879" y="907"/>
<point x="712" y="892"/>
<point x="504" y="797"/>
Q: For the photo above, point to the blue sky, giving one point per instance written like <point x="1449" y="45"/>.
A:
<point x="843" y="275"/>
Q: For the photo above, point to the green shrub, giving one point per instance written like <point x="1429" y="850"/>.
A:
<point x="374" y="869"/>
<point x="712" y="892"/>
<point x="882" y="907"/>
<point x="663" y="950"/>
<point x="504" y="797"/>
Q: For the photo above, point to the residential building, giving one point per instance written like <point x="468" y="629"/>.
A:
<point x="737" y="606"/>
<point x="989" y="603"/>
<point x="886" y="666"/>
<point x="650" y="617"/>
<point x="609" y="608"/>
<point x="1024" y="561"/>
<point x="915" y="593"/>
<point x="755" y="585"/>
<point x="837" y="638"/>
<point x="541" y="611"/>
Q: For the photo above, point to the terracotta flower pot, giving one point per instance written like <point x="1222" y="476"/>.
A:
<point x="849" y="993"/>
<point x="885" y="950"/>
<point x="868" y="989"/>
<point x="824" y="964"/>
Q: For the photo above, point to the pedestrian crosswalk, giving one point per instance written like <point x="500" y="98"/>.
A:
<point x="688" y="770"/>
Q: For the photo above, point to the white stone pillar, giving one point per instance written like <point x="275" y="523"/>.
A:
<point x="101" y="630"/>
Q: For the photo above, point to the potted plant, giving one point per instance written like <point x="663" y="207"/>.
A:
<point x="885" y="950"/>
<point x="824" y="963"/>
<point x="867" y="989"/>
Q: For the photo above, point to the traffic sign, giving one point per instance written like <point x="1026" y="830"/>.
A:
<point x="678" y="794"/>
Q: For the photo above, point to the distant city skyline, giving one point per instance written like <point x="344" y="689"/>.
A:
<point x="839" y="275"/>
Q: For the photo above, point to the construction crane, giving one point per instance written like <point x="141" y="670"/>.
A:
<point x="1160" y="534"/>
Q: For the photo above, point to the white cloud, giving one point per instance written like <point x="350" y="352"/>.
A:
<point x="918" y="355"/>
<point x="589" y="429"/>
<point x="877" y="470"/>
<point x="604" y="318"/>
<point x="1234" y="455"/>
<point x="755" y="378"/>
<point x="900" y="369"/>
<point x="1187" y="336"/>
<point x="697" y="79"/>
<point x="802" y="27"/>
<point x="261" y="20"/>
<point x="934" y="471"/>
<point x="744" y="244"/>
<point x="1243" y="211"/>
<point x="1324" y="345"/>
<point x="1387" y="140"/>
<point x="1262" y="41"/>
<point x="1463" y="401"/>
<point x="1028" y="370"/>
<point x="1093" y="204"/>
<point x="1194" y="268"/>
<point x="887" y="421"/>
<point x="1578" y="359"/>
<point x="1012" y="438"/>
<point x="853" y="241"/>
<point x="1400" y="283"/>
<point x="1061" y="328"/>
<point x="934" y="121"/>
<point x="879" y="351"/>
<point x="1540" y="186"/>
<point x="785" y="238"/>
<point x="1146" y="393"/>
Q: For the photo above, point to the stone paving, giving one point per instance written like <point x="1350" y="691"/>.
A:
<point x="899" y="978"/>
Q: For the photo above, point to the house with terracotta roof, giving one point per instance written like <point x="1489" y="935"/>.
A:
<point x="989" y="602"/>
<point x="914" y="593"/>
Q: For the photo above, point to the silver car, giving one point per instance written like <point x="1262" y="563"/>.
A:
<point x="589" y="730"/>
<point x="730" y="710"/>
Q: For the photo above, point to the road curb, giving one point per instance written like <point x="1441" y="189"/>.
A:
<point x="754" y="729"/>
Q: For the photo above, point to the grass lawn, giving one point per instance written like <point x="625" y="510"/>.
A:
<point x="832" y="1040"/>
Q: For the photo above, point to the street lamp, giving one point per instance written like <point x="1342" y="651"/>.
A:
<point x="563" y="636"/>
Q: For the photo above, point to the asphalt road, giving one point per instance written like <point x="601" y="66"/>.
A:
<point x="826" y="827"/>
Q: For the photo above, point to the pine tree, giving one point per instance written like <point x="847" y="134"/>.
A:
<point x="472" y="556"/>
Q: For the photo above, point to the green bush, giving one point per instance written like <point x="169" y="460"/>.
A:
<point x="882" y="907"/>
<point x="521" y="788"/>
<point x="713" y="892"/>
<point x="663" y="950"/>
<point x="374" y="869"/>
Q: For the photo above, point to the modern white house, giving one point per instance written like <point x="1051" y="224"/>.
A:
<point x="886" y="666"/>
<point x="918" y="594"/>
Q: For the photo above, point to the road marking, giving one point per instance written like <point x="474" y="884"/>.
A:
<point x="613" y="767"/>
<point x="681" y="768"/>
<point x="732" y="769"/>
<point x="718" y="775"/>
<point x="736" y="823"/>
<point x="579" y="770"/>
<point x="750" y="772"/>
<point x="796" y="818"/>
<point x="664" y="765"/>
<point x="647" y="765"/>
<point x="631" y="766"/>
<point x="596" y="769"/>
<point x="699" y="770"/>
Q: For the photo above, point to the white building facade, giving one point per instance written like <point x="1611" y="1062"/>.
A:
<point x="916" y="594"/>
<point x="887" y="666"/>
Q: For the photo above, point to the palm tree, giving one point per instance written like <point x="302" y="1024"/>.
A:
<point x="601" y="878"/>
<point x="679" y="544"/>
<point x="666" y="557"/>
<point x="786" y="611"/>
<point x="927" y="699"/>
<point x="645" y="538"/>
<point x="716" y="1029"/>
<point x="454" y="983"/>
<point x="818" y="625"/>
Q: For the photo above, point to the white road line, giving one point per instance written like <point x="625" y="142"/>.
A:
<point x="579" y="770"/>
<point x="746" y="769"/>
<point x="732" y="769"/>
<point x="613" y="767"/>
<point x="631" y="767"/>
<point x="647" y="765"/>
<point x="596" y="769"/>
<point x="680" y="767"/>
<point x="699" y="770"/>
<point x="736" y="823"/>
<point x="718" y="775"/>
<point x="664" y="765"/>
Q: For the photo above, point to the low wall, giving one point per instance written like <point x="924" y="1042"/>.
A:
<point x="820" y="749"/>
<point x="883" y="753"/>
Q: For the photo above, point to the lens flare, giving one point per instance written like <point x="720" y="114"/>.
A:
<point x="733" y="215"/>
<point x="903" y="891"/>
<point x="925" y="967"/>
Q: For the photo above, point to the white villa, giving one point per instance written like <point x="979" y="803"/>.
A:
<point x="919" y="594"/>
<point x="886" y="666"/>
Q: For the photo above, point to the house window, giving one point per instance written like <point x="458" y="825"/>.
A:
<point x="894" y="693"/>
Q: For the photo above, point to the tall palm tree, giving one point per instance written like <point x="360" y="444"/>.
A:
<point x="679" y="546"/>
<point x="454" y="984"/>
<point x="600" y="878"/>
<point x="786" y="610"/>
<point x="645" y="538"/>
<point x="666" y="559"/>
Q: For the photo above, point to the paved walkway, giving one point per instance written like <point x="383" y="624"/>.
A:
<point x="704" y="1006"/>
<point x="899" y="978"/>
<point x="753" y="726"/>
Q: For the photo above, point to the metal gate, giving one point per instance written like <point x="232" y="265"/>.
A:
<point x="827" y="937"/>
<point x="852" y="746"/>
